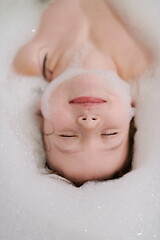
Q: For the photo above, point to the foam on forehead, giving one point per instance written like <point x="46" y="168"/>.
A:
<point x="113" y="83"/>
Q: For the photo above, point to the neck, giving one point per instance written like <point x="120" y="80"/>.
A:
<point x="87" y="56"/>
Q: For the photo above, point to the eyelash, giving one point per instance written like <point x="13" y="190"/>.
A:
<point x="67" y="135"/>
<point x="104" y="134"/>
<point x="109" y="134"/>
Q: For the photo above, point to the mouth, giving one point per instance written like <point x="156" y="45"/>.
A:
<point x="87" y="101"/>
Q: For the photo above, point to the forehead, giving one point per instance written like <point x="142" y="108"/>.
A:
<point x="88" y="165"/>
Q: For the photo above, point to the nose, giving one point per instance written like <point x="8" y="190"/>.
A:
<point x="89" y="121"/>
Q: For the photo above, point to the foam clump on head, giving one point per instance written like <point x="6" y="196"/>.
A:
<point x="112" y="80"/>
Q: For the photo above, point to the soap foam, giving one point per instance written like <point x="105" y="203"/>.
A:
<point x="113" y="83"/>
<point x="36" y="206"/>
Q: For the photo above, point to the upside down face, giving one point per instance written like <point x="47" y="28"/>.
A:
<point x="86" y="124"/>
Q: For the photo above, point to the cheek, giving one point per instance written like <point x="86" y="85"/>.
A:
<point x="47" y="144"/>
<point x="58" y="162"/>
<point x="62" y="118"/>
<point x="121" y="111"/>
<point x="117" y="117"/>
<point x="48" y="127"/>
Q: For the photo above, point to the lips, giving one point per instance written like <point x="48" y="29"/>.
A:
<point x="87" y="101"/>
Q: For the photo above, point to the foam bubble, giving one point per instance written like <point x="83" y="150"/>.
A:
<point x="112" y="82"/>
<point x="35" y="206"/>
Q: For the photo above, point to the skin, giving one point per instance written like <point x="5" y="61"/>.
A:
<point x="84" y="142"/>
<point x="90" y="141"/>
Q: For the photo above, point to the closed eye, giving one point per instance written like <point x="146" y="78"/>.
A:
<point x="109" y="134"/>
<point x="65" y="136"/>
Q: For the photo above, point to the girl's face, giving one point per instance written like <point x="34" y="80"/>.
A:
<point x="86" y="128"/>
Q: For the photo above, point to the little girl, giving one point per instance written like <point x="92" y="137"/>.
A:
<point x="87" y="55"/>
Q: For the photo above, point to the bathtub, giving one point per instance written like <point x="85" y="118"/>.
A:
<point x="35" y="205"/>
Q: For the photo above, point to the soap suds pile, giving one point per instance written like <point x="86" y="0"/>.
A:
<point x="37" y="206"/>
<point x="112" y="84"/>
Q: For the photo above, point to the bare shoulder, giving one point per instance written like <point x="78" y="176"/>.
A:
<point x="140" y="58"/>
<point x="62" y="10"/>
<point x="56" y="28"/>
<point x="25" y="61"/>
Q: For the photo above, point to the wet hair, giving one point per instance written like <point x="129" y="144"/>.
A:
<point x="127" y="166"/>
